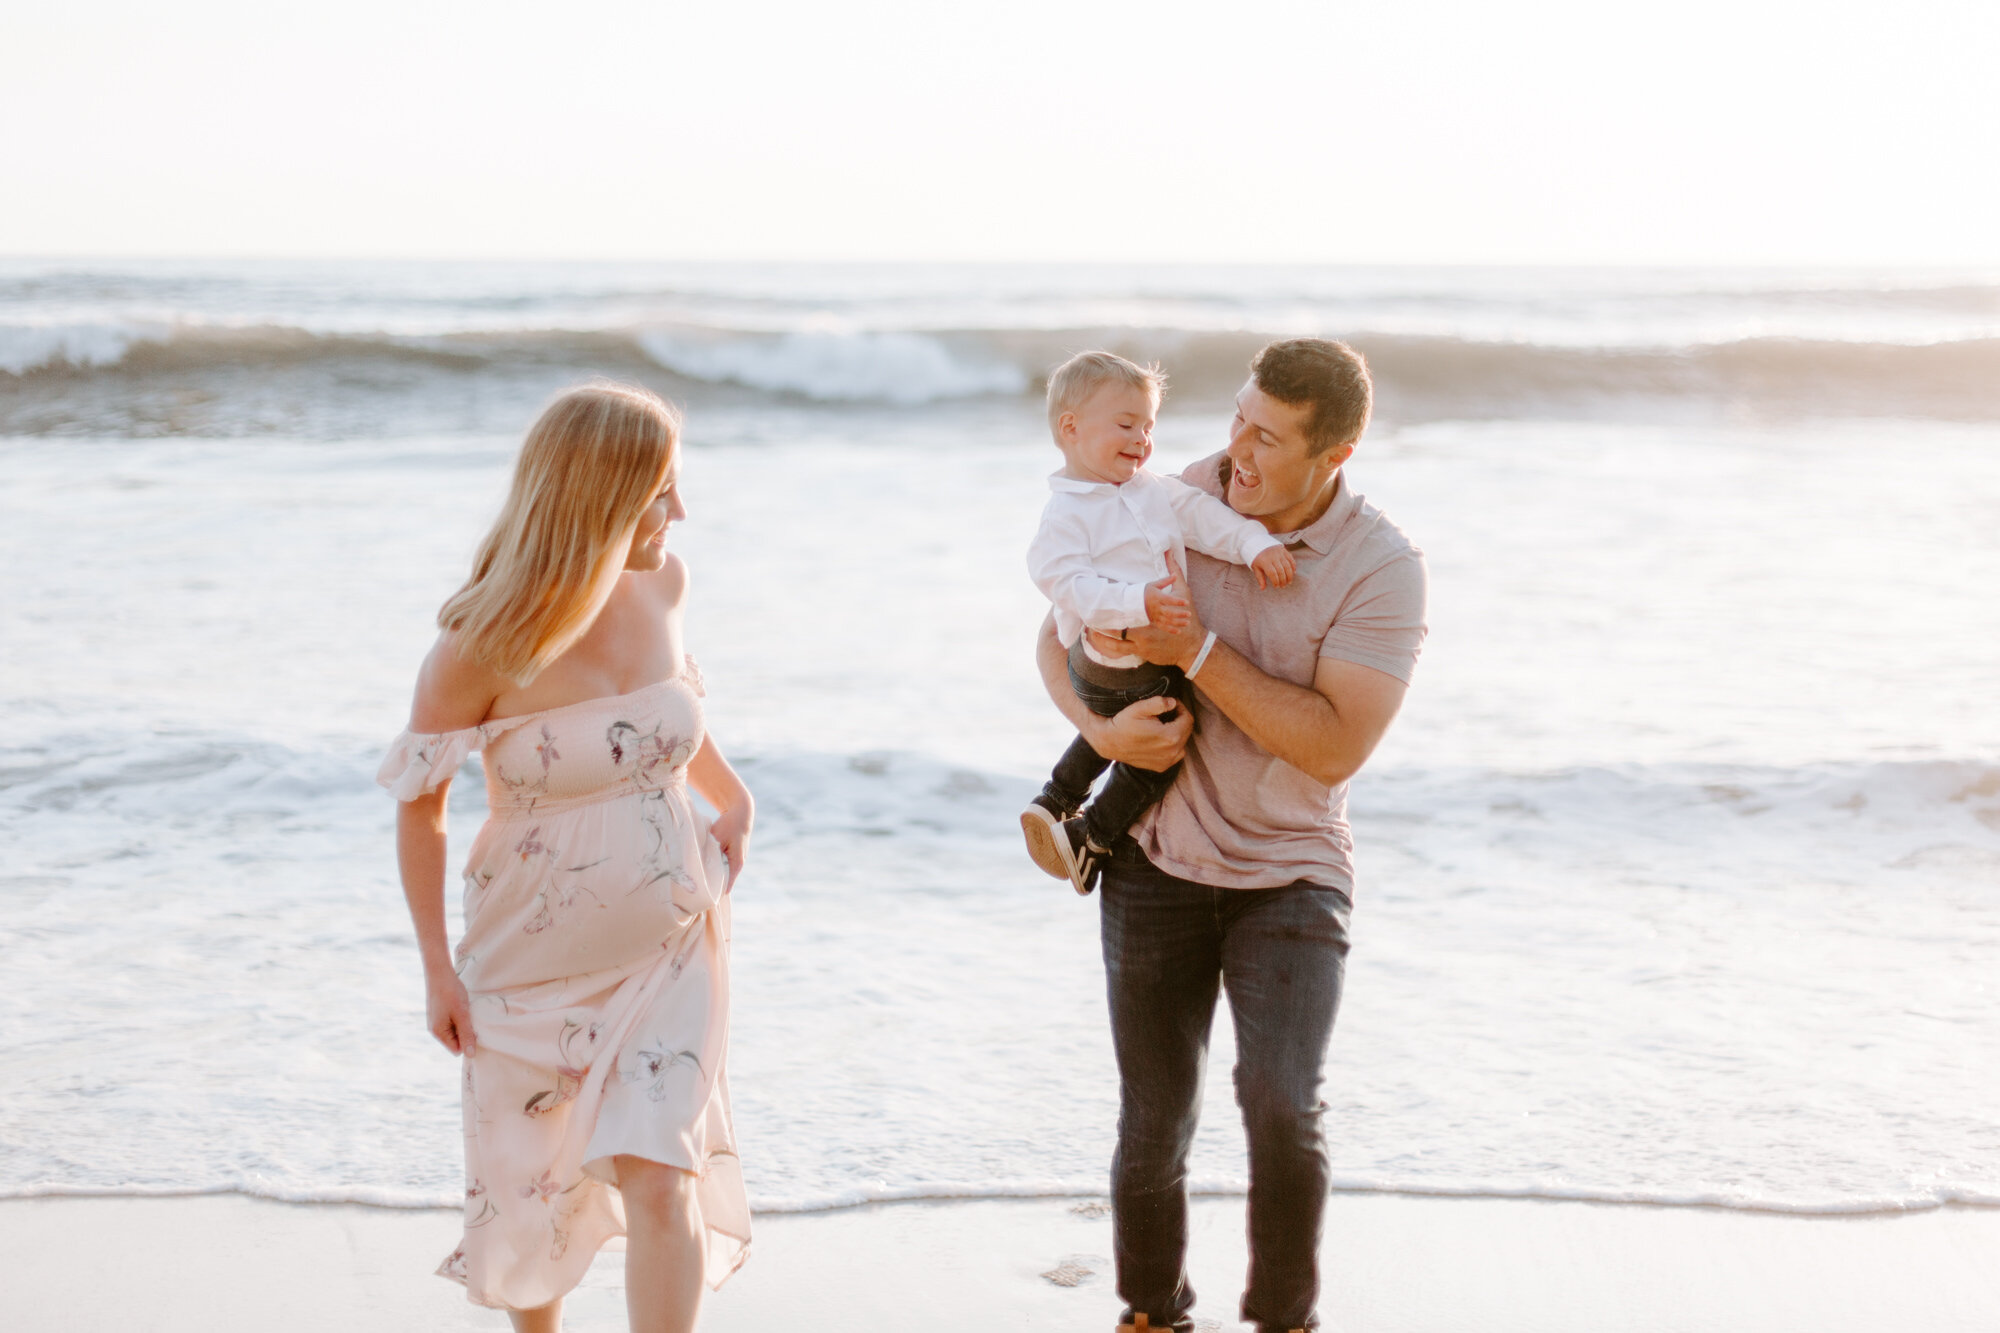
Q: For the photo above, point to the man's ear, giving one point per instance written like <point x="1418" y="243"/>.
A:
<point x="1336" y="456"/>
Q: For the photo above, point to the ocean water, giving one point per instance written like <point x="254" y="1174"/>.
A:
<point x="1679" y="875"/>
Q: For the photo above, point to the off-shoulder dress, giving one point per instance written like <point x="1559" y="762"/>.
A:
<point x="596" y="954"/>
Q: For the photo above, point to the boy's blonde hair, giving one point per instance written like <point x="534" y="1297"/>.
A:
<point x="1072" y="382"/>
<point x="591" y="464"/>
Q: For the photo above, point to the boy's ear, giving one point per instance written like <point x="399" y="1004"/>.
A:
<point x="1066" y="427"/>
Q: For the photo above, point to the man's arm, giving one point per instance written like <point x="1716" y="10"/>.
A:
<point x="1135" y="736"/>
<point x="1326" y="731"/>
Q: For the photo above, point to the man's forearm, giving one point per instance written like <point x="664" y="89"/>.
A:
<point x="1053" y="660"/>
<point x="1294" y="723"/>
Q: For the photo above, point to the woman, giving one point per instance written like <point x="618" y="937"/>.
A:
<point x="590" y="997"/>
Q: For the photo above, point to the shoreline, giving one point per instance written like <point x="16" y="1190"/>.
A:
<point x="1390" y="1262"/>
<point x="1033" y="1194"/>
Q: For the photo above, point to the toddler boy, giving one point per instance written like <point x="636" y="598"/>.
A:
<point x="1100" y="556"/>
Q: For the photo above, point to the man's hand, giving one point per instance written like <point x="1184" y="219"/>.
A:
<point x="1274" y="568"/>
<point x="1136" y="736"/>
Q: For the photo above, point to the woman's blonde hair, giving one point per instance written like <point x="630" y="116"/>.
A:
<point x="591" y="464"/>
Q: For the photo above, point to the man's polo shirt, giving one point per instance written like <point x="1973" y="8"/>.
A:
<point x="1236" y="816"/>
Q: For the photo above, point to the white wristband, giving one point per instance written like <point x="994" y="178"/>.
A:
<point x="1201" y="656"/>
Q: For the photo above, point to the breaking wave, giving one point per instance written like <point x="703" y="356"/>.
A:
<point x="1417" y="376"/>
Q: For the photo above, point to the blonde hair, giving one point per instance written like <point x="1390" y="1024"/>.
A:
<point x="592" y="462"/>
<point x="1072" y="382"/>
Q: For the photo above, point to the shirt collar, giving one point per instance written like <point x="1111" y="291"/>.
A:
<point x="1318" y="534"/>
<point x="1071" y="486"/>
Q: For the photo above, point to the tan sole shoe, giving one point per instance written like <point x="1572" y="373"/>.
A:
<point x="1048" y="845"/>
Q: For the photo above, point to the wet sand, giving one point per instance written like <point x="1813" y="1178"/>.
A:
<point x="1392" y="1263"/>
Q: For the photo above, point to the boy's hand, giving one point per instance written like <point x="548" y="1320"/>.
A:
<point x="1167" y="608"/>
<point x="1274" y="568"/>
<point x="1157" y="643"/>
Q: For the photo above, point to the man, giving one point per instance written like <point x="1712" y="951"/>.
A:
<point x="1242" y="875"/>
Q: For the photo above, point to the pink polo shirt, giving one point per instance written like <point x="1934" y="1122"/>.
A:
<point x="1237" y="817"/>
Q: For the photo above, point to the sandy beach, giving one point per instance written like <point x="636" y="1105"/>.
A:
<point x="1407" y="1264"/>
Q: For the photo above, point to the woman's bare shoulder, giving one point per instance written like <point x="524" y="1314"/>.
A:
<point x="452" y="693"/>
<point x="669" y="582"/>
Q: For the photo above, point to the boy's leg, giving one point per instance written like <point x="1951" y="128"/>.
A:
<point x="1284" y="958"/>
<point x="1073" y="776"/>
<point x="1046" y="823"/>
<point x="1130" y="793"/>
<point x="1133" y="791"/>
<point x="1161" y="964"/>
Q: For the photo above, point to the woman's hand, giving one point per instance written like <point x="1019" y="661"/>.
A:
<point x="732" y="831"/>
<point x="449" y="1012"/>
<point x="712" y="776"/>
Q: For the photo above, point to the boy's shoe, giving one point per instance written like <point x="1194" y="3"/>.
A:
<point x="1083" y="860"/>
<point x="1041" y="825"/>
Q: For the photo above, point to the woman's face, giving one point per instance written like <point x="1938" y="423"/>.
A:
<point x="649" y="539"/>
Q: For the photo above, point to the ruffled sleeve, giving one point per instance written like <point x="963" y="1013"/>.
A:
<point x="691" y="673"/>
<point x="418" y="762"/>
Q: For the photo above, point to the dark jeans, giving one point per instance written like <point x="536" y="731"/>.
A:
<point x="1130" y="792"/>
<point x="1281" y="954"/>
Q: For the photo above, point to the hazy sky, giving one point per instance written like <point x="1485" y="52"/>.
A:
<point x="1748" y="131"/>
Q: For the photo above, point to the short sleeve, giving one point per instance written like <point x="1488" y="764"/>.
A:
<point x="691" y="673"/>
<point x="1381" y="622"/>
<point x="418" y="762"/>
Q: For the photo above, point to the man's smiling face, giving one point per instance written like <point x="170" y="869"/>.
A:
<point x="1272" y="476"/>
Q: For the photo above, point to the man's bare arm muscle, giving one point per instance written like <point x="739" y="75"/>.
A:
<point x="1326" y="731"/>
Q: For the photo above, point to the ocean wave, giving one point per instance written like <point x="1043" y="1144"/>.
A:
<point x="1938" y="814"/>
<point x="903" y="368"/>
<point x="1417" y="376"/>
<point x="270" y="858"/>
<point x="82" y="345"/>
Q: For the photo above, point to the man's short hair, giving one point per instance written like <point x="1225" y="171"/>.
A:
<point x="1072" y="382"/>
<point x="1328" y="378"/>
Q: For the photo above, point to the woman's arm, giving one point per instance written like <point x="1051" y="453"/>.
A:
<point x="736" y="808"/>
<point x="451" y="695"/>
<point x="420" y="855"/>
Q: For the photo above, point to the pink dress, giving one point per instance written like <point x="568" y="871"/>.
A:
<point x="596" y="952"/>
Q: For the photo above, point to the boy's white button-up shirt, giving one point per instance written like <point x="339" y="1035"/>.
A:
<point x="1099" y="545"/>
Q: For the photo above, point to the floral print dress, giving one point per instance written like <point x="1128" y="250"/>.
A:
<point x="596" y="954"/>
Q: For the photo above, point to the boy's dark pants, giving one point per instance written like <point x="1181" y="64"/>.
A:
<point x="1130" y="792"/>
<point x="1281" y="954"/>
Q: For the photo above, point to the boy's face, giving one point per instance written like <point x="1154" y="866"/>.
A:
<point x="1109" y="436"/>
